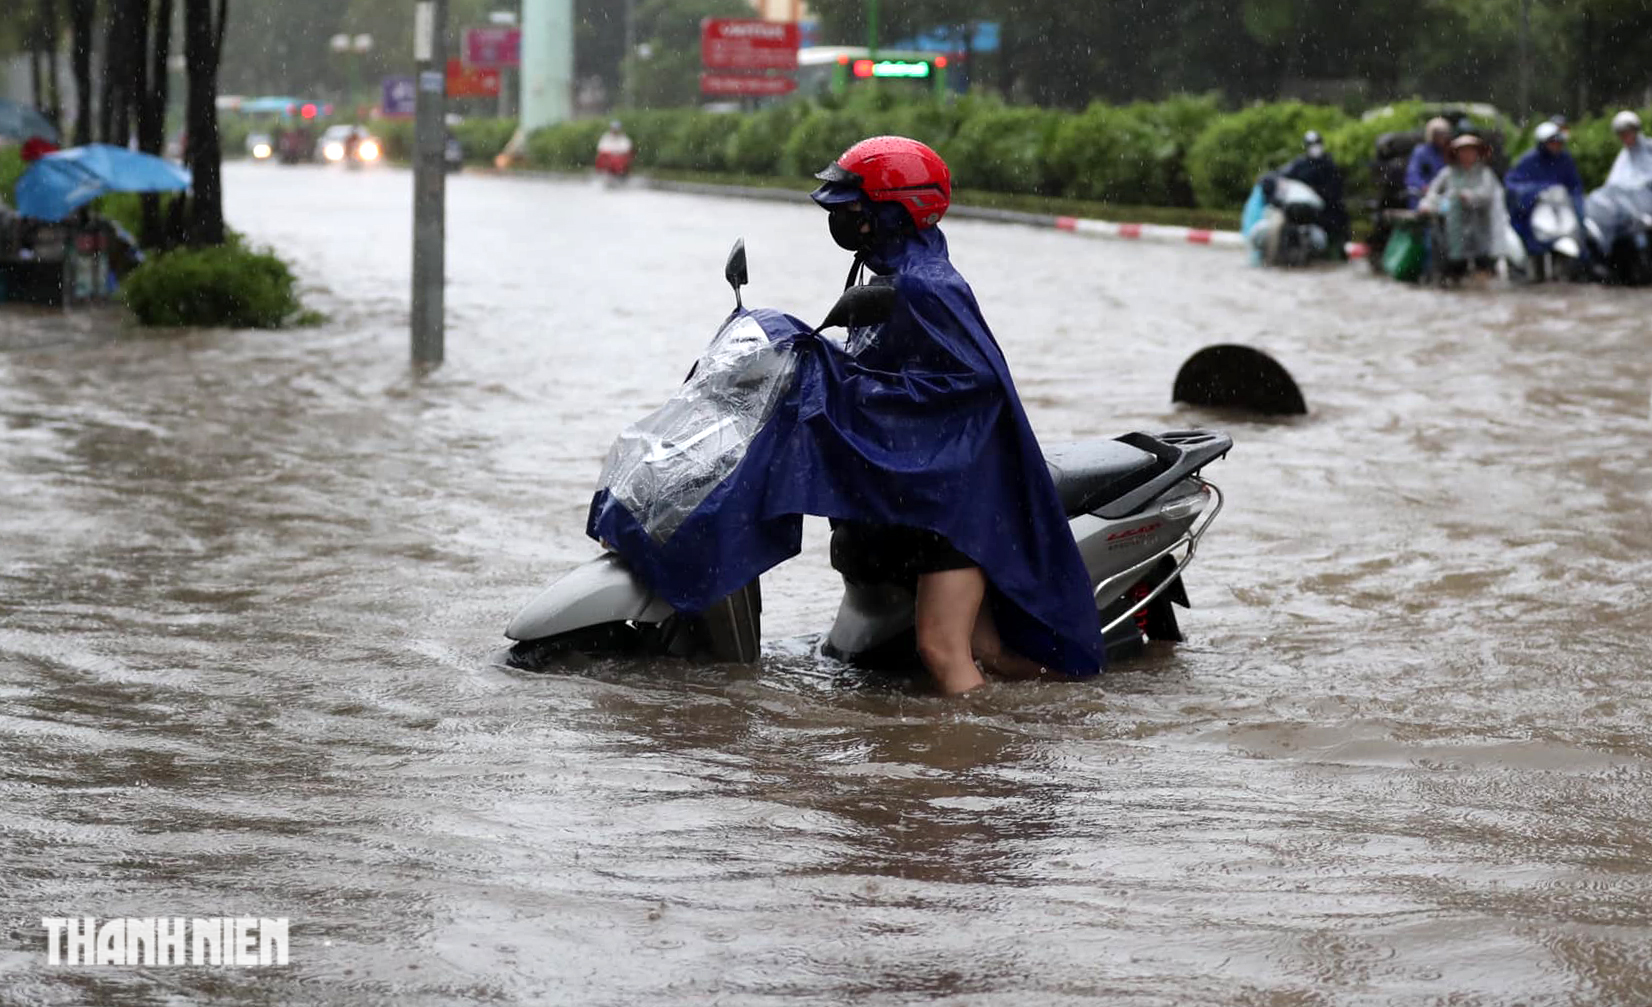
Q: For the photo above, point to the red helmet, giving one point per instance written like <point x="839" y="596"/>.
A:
<point x="894" y="169"/>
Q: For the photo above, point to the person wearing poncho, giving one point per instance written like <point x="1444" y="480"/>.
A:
<point x="912" y="439"/>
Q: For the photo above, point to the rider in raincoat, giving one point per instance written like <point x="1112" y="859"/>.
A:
<point x="1543" y="167"/>
<point x="1318" y="171"/>
<point x="1633" y="165"/>
<point x="1428" y="159"/>
<point x="1469" y="198"/>
<point x="912" y="439"/>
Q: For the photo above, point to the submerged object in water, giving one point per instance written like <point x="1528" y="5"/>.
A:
<point x="1238" y="377"/>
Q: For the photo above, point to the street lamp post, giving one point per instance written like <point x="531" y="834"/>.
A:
<point x="353" y="48"/>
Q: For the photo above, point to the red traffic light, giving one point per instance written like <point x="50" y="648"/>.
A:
<point x="308" y="111"/>
<point x="940" y="62"/>
<point x="863" y="68"/>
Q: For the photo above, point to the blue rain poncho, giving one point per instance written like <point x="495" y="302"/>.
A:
<point x="912" y="422"/>
<point x="1427" y="161"/>
<point x="1537" y="170"/>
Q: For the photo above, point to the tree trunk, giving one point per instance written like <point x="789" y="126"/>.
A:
<point x="152" y="114"/>
<point x="203" y="41"/>
<point x="34" y="39"/>
<point x="36" y="85"/>
<point x="54" y="94"/>
<point x="80" y="58"/>
<point x="114" y="124"/>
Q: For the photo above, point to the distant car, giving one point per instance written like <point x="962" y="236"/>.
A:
<point x="260" y="146"/>
<point x="352" y="144"/>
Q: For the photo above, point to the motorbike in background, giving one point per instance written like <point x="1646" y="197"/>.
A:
<point x="1137" y="506"/>
<point x="614" y="166"/>
<point x="1282" y="223"/>
<point x="1619" y="226"/>
<point x="1561" y="237"/>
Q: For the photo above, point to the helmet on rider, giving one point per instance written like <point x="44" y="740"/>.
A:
<point x="889" y="169"/>
<point x="1625" y="121"/>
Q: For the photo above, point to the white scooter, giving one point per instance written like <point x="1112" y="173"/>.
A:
<point x="1137" y="506"/>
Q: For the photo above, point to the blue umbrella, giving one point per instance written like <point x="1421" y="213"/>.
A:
<point x="19" y="122"/>
<point x="58" y="184"/>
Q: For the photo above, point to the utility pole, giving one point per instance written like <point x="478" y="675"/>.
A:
<point x="872" y="29"/>
<point x="429" y="183"/>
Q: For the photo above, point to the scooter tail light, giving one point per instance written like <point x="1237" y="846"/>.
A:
<point x="1183" y="508"/>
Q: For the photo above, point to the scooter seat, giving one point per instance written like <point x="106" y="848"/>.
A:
<point x="1088" y="474"/>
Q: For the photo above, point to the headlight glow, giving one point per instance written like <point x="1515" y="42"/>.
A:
<point x="261" y="150"/>
<point x="368" y="151"/>
<point x="333" y="152"/>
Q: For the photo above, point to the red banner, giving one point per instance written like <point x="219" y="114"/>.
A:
<point x="748" y="44"/>
<point x="745" y="85"/>
<point x="471" y="81"/>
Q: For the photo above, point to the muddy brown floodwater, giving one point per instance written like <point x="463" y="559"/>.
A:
<point x="252" y="584"/>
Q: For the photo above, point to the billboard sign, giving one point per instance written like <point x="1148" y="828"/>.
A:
<point x="398" y="99"/>
<point x="748" y="44"/>
<point x="471" y="81"/>
<point x="493" y="48"/>
<point x="745" y="85"/>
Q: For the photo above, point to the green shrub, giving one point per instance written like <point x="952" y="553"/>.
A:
<point x="1110" y="154"/>
<point x="224" y="286"/>
<point x="1234" y="150"/>
<point x="566" y="146"/>
<point x="1353" y="145"/>
<point x="697" y="141"/>
<point x="11" y="169"/>
<point x="233" y="131"/>
<point x="928" y="121"/>
<point x="1003" y="149"/>
<point x="1177" y="121"/>
<point x="754" y="147"/>
<point x="396" y="137"/>
<point x="483" y="138"/>
<point x="821" y="136"/>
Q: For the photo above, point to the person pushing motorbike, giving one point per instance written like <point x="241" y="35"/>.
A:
<point x="939" y="481"/>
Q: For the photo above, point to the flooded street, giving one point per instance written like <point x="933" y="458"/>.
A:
<point x="253" y="585"/>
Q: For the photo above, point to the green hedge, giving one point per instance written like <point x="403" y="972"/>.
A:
<point x="1181" y="152"/>
<point x="226" y="285"/>
<point x="1224" y="162"/>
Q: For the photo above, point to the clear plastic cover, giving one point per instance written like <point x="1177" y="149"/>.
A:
<point x="1618" y="211"/>
<point x="665" y="465"/>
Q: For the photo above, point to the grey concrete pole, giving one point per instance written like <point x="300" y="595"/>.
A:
<point x="429" y="183"/>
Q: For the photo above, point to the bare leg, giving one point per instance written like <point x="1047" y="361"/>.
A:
<point x="948" y="603"/>
<point x="1000" y="660"/>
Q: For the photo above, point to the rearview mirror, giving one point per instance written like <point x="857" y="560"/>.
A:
<point x="734" y="270"/>
<point x="867" y="304"/>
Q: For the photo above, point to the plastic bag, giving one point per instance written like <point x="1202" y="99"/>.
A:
<point x="665" y="465"/>
<point x="1405" y="254"/>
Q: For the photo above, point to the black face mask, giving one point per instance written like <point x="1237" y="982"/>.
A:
<point x="845" y="227"/>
